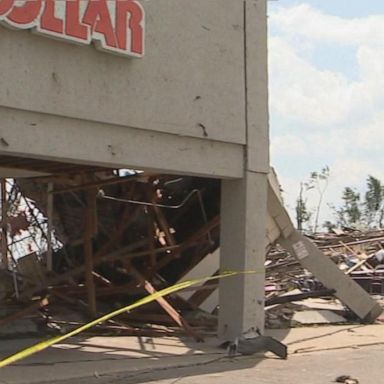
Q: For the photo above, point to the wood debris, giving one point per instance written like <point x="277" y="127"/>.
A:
<point x="80" y="245"/>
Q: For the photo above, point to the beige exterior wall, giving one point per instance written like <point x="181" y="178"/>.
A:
<point x="192" y="73"/>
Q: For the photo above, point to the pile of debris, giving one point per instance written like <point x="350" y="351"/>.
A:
<point x="294" y="296"/>
<point x="105" y="240"/>
<point x="80" y="245"/>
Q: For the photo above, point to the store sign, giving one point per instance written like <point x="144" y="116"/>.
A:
<point x="116" y="26"/>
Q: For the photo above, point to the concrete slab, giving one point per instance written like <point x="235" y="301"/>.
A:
<point x="107" y="359"/>
<point x="365" y="364"/>
<point x="321" y="304"/>
<point x="322" y="316"/>
<point x="95" y="356"/>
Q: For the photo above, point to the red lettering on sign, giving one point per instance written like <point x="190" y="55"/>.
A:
<point x="117" y="24"/>
<point x="130" y="9"/>
<point x="73" y="27"/>
<point x="25" y="16"/>
<point x="49" y="22"/>
<point x="5" y="6"/>
<point x="98" y="18"/>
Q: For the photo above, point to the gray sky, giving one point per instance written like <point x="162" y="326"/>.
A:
<point x="326" y="93"/>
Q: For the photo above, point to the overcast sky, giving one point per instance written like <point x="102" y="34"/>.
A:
<point x="326" y="92"/>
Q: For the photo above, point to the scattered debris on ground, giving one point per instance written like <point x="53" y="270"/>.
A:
<point x="295" y="297"/>
<point x="346" y="380"/>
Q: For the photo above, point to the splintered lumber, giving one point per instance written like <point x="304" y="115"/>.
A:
<point x="122" y="253"/>
<point x="88" y="251"/>
<point x="357" y="242"/>
<point x="192" y="240"/>
<point x="179" y="320"/>
<point x="312" y="259"/>
<point x="78" y="291"/>
<point x="356" y="266"/>
<point x="163" y="224"/>
<point x="161" y="219"/>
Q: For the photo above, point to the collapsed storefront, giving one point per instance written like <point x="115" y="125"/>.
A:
<point x="74" y="121"/>
<point x="193" y="103"/>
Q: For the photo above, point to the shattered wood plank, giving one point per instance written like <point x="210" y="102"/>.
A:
<point x="356" y="266"/>
<point x="341" y="244"/>
<point x="88" y="251"/>
<point x="127" y="289"/>
<point x="163" y="224"/>
<point x="179" y="320"/>
<point x="160" y="319"/>
<point x="123" y="253"/>
<point x="103" y="280"/>
<point x="215" y="222"/>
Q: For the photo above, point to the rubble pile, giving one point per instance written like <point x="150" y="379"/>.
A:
<point x="291" y="289"/>
<point x="116" y="237"/>
<point x="81" y="245"/>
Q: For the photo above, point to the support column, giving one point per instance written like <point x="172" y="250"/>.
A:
<point x="242" y="248"/>
<point x="244" y="202"/>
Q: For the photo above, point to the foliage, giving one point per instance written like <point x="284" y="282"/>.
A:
<point x="374" y="202"/>
<point x="364" y="210"/>
<point x="358" y="212"/>
<point x="349" y="214"/>
<point x="303" y="215"/>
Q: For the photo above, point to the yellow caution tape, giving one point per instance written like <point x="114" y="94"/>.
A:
<point x="148" y="299"/>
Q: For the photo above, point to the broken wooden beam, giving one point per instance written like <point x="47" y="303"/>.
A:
<point x="88" y="251"/>
<point x="179" y="320"/>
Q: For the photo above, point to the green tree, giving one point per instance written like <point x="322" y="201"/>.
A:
<point x="302" y="213"/>
<point x="350" y="213"/>
<point x="374" y="198"/>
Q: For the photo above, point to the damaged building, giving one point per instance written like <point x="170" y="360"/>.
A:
<point x="127" y="170"/>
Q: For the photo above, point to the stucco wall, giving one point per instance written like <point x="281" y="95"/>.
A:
<point x="192" y="75"/>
